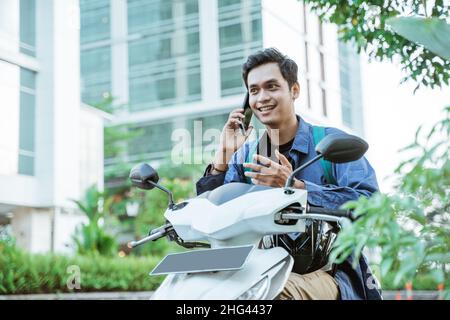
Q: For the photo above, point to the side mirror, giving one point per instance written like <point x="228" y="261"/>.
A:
<point x="144" y="176"/>
<point x="335" y="147"/>
<point x="341" y="147"/>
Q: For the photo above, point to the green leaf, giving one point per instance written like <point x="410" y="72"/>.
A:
<point x="437" y="275"/>
<point x="438" y="257"/>
<point x="386" y="265"/>
<point x="432" y="33"/>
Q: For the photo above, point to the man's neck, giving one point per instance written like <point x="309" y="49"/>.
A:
<point x="285" y="132"/>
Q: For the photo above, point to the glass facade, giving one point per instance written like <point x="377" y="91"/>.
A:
<point x="28" y="27"/>
<point x="240" y="34"/>
<point x="17" y="88"/>
<point x="95" y="57"/>
<point x="96" y="74"/>
<point x="164" y="60"/>
<point x="27" y="118"/>
<point x="156" y="139"/>
<point x="350" y="82"/>
<point x="95" y="20"/>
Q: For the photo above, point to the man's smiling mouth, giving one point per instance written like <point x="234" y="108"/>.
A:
<point x="266" y="108"/>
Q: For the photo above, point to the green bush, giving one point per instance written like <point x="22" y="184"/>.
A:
<point x="25" y="273"/>
<point x="91" y="237"/>
<point x="420" y="282"/>
<point x="410" y="226"/>
<point x="153" y="204"/>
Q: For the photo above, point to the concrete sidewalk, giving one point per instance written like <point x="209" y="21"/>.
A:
<point x="145" y="295"/>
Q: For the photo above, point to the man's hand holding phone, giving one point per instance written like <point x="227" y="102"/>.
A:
<point x="234" y="133"/>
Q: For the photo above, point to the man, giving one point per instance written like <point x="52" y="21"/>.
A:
<point x="271" y="80"/>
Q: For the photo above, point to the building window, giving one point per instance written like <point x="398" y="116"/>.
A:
<point x="95" y="20"/>
<point x="95" y="67"/>
<point x="28" y="27"/>
<point x="27" y="122"/>
<point x="305" y="48"/>
<point x="155" y="141"/>
<point x="322" y="70"/>
<point x="324" y="103"/>
<point x="149" y="50"/>
<point x="164" y="60"/>
<point x="95" y="59"/>
<point x="240" y="34"/>
<point x="350" y="83"/>
<point x="230" y="35"/>
<point x="216" y="121"/>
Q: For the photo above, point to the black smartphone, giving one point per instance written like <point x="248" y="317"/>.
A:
<point x="247" y="113"/>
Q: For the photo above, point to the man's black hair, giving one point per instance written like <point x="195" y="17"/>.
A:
<point x="287" y="66"/>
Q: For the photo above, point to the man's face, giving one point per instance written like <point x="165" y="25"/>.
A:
<point x="271" y="99"/>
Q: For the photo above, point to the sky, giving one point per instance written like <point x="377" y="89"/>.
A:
<point x="392" y="114"/>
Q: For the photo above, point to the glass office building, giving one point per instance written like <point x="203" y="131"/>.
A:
<point x="173" y="62"/>
<point x="51" y="146"/>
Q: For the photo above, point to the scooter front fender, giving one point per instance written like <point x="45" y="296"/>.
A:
<point x="275" y="264"/>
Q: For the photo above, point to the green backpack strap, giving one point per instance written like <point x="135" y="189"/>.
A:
<point x="318" y="135"/>
<point x="249" y="159"/>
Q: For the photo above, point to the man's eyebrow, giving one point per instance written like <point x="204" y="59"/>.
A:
<point x="266" y="82"/>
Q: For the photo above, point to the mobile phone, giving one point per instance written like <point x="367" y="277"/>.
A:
<point x="247" y="113"/>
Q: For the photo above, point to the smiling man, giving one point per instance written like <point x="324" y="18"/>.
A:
<point x="288" y="142"/>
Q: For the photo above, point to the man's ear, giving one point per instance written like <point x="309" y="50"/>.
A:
<point x="295" y="90"/>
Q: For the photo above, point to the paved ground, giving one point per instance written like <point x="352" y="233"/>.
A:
<point x="388" y="295"/>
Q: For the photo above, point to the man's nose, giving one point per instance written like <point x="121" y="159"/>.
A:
<point x="263" y="96"/>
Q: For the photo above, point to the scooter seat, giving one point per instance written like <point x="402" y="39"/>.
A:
<point x="230" y="191"/>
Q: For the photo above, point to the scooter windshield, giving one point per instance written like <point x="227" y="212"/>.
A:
<point x="230" y="191"/>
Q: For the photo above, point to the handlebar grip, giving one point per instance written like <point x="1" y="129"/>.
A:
<point x="332" y="212"/>
<point x="152" y="237"/>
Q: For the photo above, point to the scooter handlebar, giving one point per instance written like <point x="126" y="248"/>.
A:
<point x="153" y="235"/>
<point x="332" y="212"/>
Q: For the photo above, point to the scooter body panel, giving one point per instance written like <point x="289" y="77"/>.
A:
<point x="274" y="264"/>
<point x="243" y="220"/>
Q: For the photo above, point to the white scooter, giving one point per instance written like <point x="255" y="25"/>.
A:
<point x="233" y="223"/>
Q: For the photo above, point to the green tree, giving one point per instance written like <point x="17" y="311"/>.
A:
<point x="91" y="238"/>
<point x="153" y="204"/>
<point x="411" y="226"/>
<point x="365" y="23"/>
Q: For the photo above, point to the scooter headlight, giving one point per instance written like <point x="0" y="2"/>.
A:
<point x="257" y="292"/>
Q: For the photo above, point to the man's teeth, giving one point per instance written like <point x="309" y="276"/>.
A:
<point x="266" y="108"/>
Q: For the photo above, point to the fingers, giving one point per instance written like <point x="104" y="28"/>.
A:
<point x="284" y="161"/>
<point x="260" y="179"/>
<point x="265" y="161"/>
<point x="258" y="168"/>
<point x="256" y="175"/>
<point x="234" y="123"/>
<point x="237" y="114"/>
<point x="257" y="182"/>
<point x="235" y="119"/>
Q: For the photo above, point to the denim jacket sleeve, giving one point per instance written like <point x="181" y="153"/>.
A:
<point x="354" y="179"/>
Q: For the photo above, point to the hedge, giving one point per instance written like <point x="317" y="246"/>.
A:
<point x="25" y="273"/>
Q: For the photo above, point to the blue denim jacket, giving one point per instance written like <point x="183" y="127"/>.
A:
<point x="353" y="180"/>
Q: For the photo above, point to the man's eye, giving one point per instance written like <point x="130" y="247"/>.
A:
<point x="253" y="91"/>
<point x="272" y="86"/>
